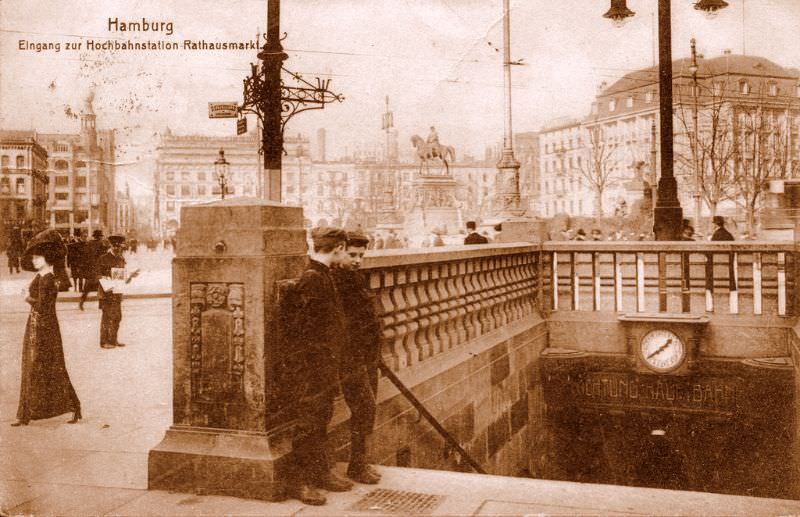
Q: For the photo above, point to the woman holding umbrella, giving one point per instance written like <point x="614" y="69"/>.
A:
<point x="45" y="390"/>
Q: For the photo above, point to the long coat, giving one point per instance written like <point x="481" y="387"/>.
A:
<point x="45" y="388"/>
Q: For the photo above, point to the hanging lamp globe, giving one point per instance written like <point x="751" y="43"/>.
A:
<point x="710" y="7"/>
<point x="618" y="12"/>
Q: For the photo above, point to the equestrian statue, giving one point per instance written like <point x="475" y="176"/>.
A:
<point x="431" y="149"/>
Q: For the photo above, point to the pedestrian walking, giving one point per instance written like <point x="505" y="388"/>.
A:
<point x="45" y="388"/>
<point x="111" y="267"/>
<point x="320" y="330"/>
<point x="720" y="233"/>
<point x="14" y="250"/>
<point x="473" y="236"/>
<point x="76" y="250"/>
<point x="93" y="250"/>
<point x="360" y="356"/>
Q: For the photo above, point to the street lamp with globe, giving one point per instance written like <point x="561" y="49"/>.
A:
<point x="221" y="168"/>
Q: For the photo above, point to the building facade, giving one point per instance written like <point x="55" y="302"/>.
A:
<point x="185" y="174"/>
<point x="23" y="183"/>
<point x="81" y="168"/>
<point x="735" y="128"/>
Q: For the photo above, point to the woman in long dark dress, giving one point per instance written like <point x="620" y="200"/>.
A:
<point x="45" y="389"/>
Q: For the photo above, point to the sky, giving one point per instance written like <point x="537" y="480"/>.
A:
<point x="438" y="61"/>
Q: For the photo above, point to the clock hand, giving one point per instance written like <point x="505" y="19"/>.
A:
<point x="661" y="348"/>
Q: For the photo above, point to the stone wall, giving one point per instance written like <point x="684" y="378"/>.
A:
<point x="463" y="332"/>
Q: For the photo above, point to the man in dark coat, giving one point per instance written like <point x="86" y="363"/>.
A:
<point x="720" y="234"/>
<point x="75" y="259"/>
<point x="93" y="250"/>
<point x="360" y="355"/>
<point x="321" y="329"/>
<point x="110" y="302"/>
<point x="474" y="237"/>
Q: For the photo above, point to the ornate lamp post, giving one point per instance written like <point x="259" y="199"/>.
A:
<point x="221" y="168"/>
<point x="508" y="194"/>
<point x="668" y="215"/>
<point x="693" y="68"/>
<point x="274" y="104"/>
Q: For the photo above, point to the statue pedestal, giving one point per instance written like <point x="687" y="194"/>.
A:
<point x="229" y="256"/>
<point x="434" y="206"/>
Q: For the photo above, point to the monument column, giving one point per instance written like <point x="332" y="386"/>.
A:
<point x="229" y="256"/>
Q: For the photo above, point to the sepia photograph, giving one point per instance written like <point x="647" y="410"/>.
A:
<point x="399" y="257"/>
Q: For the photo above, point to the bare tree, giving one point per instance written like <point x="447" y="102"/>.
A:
<point x="597" y="170"/>
<point x="760" y="149"/>
<point x="711" y="152"/>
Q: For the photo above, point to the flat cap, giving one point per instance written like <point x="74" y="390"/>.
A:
<point x="357" y="239"/>
<point x="328" y="236"/>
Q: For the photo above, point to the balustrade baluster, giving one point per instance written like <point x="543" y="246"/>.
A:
<point x="574" y="282"/>
<point x="709" y="282"/>
<point x="781" y="284"/>
<point x="686" y="282"/>
<point x="640" y="282"/>
<point x="617" y="282"/>
<point x="555" y="280"/>
<point x="733" y="271"/>
<point x="662" y="282"/>
<point x="757" y="283"/>
<point x="595" y="281"/>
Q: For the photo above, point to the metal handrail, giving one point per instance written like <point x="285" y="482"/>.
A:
<point x="429" y="417"/>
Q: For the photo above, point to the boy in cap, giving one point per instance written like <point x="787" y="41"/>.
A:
<point x="109" y="301"/>
<point x="360" y="355"/>
<point x="322" y="330"/>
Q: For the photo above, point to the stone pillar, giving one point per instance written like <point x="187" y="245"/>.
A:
<point x="229" y="256"/>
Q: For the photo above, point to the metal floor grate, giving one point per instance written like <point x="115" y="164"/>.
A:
<point x="397" y="501"/>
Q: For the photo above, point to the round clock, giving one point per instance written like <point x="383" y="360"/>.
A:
<point x="662" y="350"/>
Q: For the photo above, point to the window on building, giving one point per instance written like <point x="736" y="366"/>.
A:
<point x="773" y="89"/>
<point x="170" y="206"/>
<point x="62" y="196"/>
<point x="580" y="206"/>
<point x="797" y="90"/>
<point x="201" y="176"/>
<point x="80" y="164"/>
<point x="201" y="190"/>
<point x="185" y="176"/>
<point x="62" y="181"/>
<point x="61" y="165"/>
<point x="80" y="199"/>
<point x="20" y="185"/>
<point x="169" y="176"/>
<point x="744" y="87"/>
<point x="594" y="108"/>
<point x="20" y="162"/>
<point x="62" y="217"/>
<point x="170" y="189"/>
<point x="80" y="181"/>
<point x="628" y="103"/>
<point x="5" y="185"/>
<point x="612" y="104"/>
<point x="186" y="190"/>
<point x="546" y="187"/>
<point x="4" y="161"/>
<point x="81" y="216"/>
<point x="648" y="96"/>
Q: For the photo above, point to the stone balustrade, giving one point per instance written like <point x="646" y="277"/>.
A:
<point x="437" y="299"/>
<point x="756" y="278"/>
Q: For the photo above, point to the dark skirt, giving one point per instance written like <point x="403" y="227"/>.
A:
<point x="45" y="389"/>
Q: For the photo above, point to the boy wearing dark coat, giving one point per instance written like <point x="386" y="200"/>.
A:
<point x="360" y="355"/>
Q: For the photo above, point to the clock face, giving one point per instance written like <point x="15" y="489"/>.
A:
<point x="662" y="350"/>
